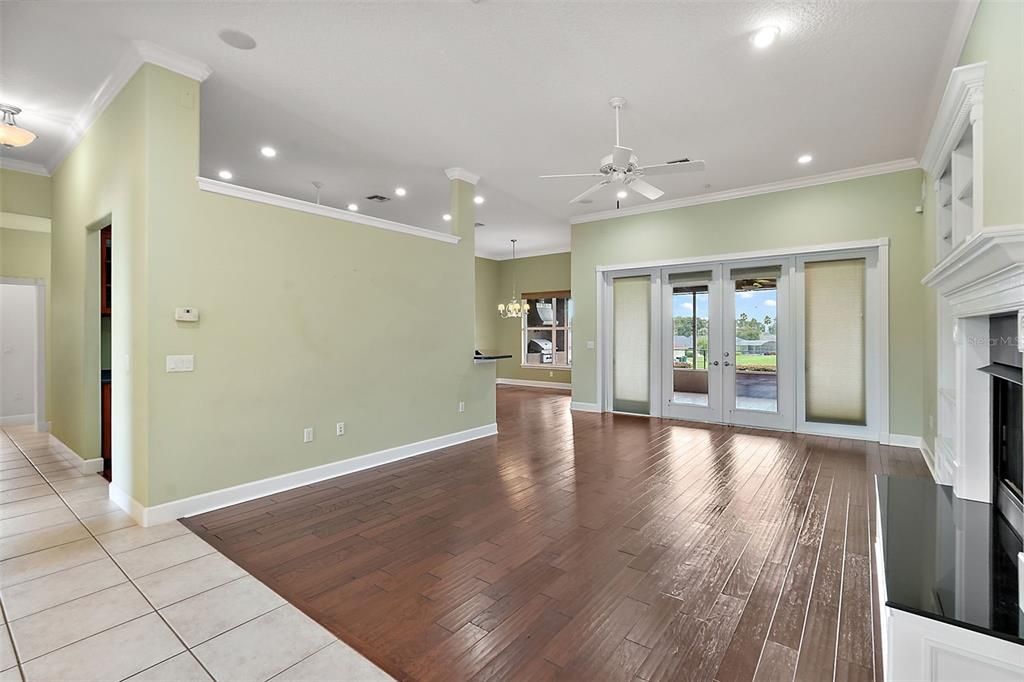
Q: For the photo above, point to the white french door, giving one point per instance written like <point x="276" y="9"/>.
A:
<point x="790" y="340"/>
<point x="726" y="343"/>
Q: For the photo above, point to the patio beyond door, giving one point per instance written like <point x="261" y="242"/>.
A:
<point x="727" y="344"/>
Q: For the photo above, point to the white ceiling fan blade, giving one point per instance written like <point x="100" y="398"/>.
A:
<point x="644" y="188"/>
<point x="573" y="175"/>
<point x="673" y="167"/>
<point x="590" y="191"/>
<point x="621" y="156"/>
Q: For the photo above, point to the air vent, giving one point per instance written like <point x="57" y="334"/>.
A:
<point x="380" y="199"/>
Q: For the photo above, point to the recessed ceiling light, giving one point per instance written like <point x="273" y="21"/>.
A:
<point x="478" y="200"/>
<point x="237" y="39"/>
<point x="765" y="36"/>
<point x="622" y="194"/>
<point x="268" y="152"/>
<point x="447" y="217"/>
<point x="400" y="191"/>
<point x="804" y="158"/>
<point x="353" y="207"/>
<point x="225" y="175"/>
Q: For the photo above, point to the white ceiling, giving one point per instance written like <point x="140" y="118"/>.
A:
<point x="364" y="97"/>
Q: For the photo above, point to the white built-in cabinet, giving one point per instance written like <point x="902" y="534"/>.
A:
<point x="954" y="162"/>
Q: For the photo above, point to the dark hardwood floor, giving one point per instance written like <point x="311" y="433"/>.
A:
<point x="587" y="547"/>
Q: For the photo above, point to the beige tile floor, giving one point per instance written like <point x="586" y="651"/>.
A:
<point x="86" y="594"/>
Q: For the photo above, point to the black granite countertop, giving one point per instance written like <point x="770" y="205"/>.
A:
<point x="104" y="376"/>
<point x="949" y="559"/>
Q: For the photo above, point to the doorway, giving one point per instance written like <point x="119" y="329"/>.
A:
<point x="106" y="300"/>
<point x="725" y="329"/>
<point x="793" y="341"/>
<point x="23" y="352"/>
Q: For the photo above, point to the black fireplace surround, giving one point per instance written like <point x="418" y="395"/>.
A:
<point x="1007" y="420"/>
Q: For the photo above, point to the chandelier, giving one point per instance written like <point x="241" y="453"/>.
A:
<point x="516" y="307"/>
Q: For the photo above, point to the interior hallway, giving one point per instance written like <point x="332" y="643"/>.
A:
<point x="585" y="546"/>
<point x="89" y="595"/>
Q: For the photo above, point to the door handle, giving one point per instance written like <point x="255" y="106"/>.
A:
<point x="726" y="363"/>
<point x="715" y="363"/>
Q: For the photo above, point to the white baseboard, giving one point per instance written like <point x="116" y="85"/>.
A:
<point x="91" y="466"/>
<point x="18" y="420"/>
<point x="929" y="459"/>
<point x="902" y="441"/>
<point x="584" y="407"/>
<point x="534" y="384"/>
<point x="204" y="502"/>
<point x="43" y="427"/>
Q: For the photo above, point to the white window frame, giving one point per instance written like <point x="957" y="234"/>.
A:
<point x="567" y="328"/>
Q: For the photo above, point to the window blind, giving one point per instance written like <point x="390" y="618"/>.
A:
<point x="834" y="294"/>
<point x="631" y="344"/>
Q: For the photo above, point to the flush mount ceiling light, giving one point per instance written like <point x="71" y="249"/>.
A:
<point x="10" y="134"/>
<point x="622" y="194"/>
<point x="804" y="159"/>
<point x="237" y="39"/>
<point x="353" y="207"/>
<point x="268" y="152"/>
<point x="447" y="217"/>
<point x="478" y="200"/>
<point x="765" y="36"/>
<point x="399" y="191"/>
<point x="225" y="175"/>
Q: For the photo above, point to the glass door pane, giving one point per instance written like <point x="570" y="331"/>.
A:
<point x="758" y="367"/>
<point x="755" y="347"/>
<point x="691" y="353"/>
<point x="631" y="344"/>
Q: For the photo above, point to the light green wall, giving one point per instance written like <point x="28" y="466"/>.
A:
<point x="866" y="208"/>
<point x="532" y="274"/>
<point x="997" y="37"/>
<point x="104" y="180"/>
<point x="487" y="296"/>
<point x="25" y="193"/>
<point x="304" y="320"/>
<point x="24" y="253"/>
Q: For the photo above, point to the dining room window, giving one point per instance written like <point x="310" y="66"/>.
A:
<point x="547" y="330"/>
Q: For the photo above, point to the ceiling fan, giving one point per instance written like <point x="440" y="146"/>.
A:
<point x="622" y="166"/>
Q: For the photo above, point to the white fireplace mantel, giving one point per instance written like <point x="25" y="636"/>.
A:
<point x="985" y="274"/>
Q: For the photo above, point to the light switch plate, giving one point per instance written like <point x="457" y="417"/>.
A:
<point x="187" y="314"/>
<point x="180" y="363"/>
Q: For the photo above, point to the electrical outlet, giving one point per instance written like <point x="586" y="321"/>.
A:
<point x="462" y="406"/>
<point x="551" y="374"/>
<point x="590" y="345"/>
<point x="340" y="429"/>
<point x="307" y="434"/>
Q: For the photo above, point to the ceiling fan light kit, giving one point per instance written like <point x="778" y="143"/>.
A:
<point x="623" y="167"/>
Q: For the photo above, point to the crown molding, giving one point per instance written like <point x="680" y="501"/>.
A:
<point x="753" y="190"/>
<point x="141" y="52"/>
<point x="552" y="251"/>
<point x="964" y="91"/>
<point x="23" y="166"/>
<point x="462" y="174"/>
<point x="239" y="192"/>
<point x="151" y="53"/>
<point x="963" y="19"/>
